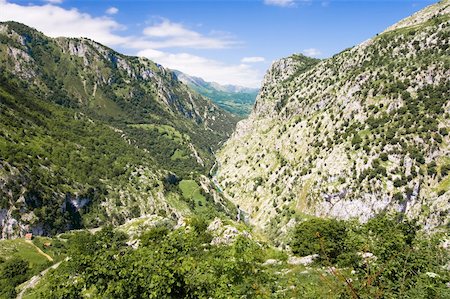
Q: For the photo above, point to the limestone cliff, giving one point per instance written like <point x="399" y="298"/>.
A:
<point x="350" y="136"/>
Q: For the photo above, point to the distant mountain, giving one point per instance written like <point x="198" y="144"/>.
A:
<point x="90" y="136"/>
<point x="238" y="100"/>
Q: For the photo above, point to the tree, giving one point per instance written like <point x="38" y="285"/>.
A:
<point x="13" y="272"/>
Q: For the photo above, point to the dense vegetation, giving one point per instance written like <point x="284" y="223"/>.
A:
<point x="20" y="259"/>
<point x="120" y="91"/>
<point x="65" y="163"/>
<point x="97" y="137"/>
<point x="49" y="150"/>
<point x="386" y="258"/>
<point x="92" y="139"/>
<point x="389" y="256"/>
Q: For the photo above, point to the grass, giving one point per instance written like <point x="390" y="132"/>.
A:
<point x="21" y="249"/>
<point x="105" y="105"/>
<point x="135" y="223"/>
<point x="168" y="131"/>
<point x="179" y="155"/>
<point x="179" y="205"/>
<point x="302" y="198"/>
<point x="55" y="249"/>
<point x="191" y="190"/>
<point x="444" y="184"/>
<point x="364" y="133"/>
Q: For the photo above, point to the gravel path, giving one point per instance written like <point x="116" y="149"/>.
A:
<point x="35" y="280"/>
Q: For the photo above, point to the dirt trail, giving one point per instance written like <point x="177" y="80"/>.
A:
<point x="40" y="251"/>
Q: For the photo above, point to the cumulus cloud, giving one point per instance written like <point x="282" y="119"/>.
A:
<point x="112" y="10"/>
<point x="312" y="52"/>
<point x="212" y="70"/>
<point x="253" y="59"/>
<point x="167" y="34"/>
<point x="56" y="21"/>
<point x="282" y="3"/>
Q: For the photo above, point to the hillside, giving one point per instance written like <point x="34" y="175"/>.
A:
<point x="90" y="136"/>
<point x="360" y="133"/>
<point x="336" y="186"/>
<point x="234" y="99"/>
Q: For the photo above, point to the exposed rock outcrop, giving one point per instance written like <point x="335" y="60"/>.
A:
<point x="362" y="132"/>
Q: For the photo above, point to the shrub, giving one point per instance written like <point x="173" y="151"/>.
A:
<point x="325" y="237"/>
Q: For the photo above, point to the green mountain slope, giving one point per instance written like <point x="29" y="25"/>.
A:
<point x="351" y="136"/>
<point x="90" y="136"/>
<point x="347" y="137"/>
<point x="235" y="99"/>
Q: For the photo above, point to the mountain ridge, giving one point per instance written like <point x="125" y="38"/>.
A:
<point x="351" y="136"/>
<point x="116" y="135"/>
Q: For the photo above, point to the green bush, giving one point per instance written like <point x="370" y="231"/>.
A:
<point x="13" y="272"/>
<point x="325" y="237"/>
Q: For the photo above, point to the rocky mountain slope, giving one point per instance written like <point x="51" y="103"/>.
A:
<point x="90" y="136"/>
<point x="235" y="99"/>
<point x="362" y="132"/>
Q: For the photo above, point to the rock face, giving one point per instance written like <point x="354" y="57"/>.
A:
<point x="362" y="132"/>
<point x="224" y="234"/>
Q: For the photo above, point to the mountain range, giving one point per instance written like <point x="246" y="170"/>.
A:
<point x="238" y="100"/>
<point x="129" y="180"/>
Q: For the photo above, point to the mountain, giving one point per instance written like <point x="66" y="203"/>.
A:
<point x="91" y="136"/>
<point x="235" y="99"/>
<point x="118" y="147"/>
<point x="352" y="136"/>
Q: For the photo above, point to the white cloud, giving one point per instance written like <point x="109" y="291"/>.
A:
<point x="112" y="10"/>
<point x="168" y="34"/>
<point x="282" y="3"/>
<point x="169" y="29"/>
<point x="211" y="70"/>
<point x="54" y="1"/>
<point x="312" y="52"/>
<point x="253" y="59"/>
<point x="56" y="21"/>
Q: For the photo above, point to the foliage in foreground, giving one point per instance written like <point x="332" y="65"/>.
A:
<point x="403" y="263"/>
<point x="178" y="264"/>
<point x="389" y="256"/>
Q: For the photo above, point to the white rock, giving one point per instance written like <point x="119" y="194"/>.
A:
<point x="305" y="260"/>
<point x="271" y="262"/>
<point x="432" y="274"/>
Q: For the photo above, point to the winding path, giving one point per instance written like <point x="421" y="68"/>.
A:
<point x="33" y="281"/>
<point x="40" y="251"/>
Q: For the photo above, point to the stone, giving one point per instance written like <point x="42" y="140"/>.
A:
<point x="305" y="260"/>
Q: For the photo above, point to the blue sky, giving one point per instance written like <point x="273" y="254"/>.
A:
<point x="230" y="42"/>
